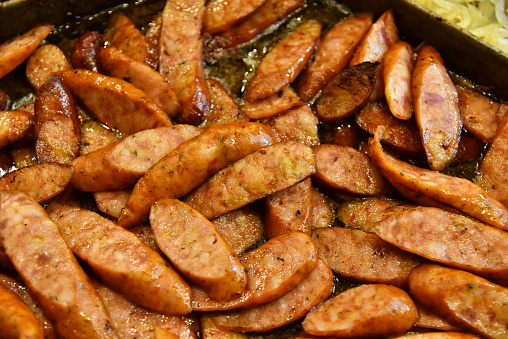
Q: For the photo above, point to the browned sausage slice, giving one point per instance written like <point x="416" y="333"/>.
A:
<point x="346" y="93"/>
<point x="333" y="54"/>
<point x="65" y="293"/>
<point x="266" y="171"/>
<point x="210" y="331"/>
<point x="436" y="108"/>
<point x="16" y="319"/>
<point x="123" y="34"/>
<point x="190" y="164"/>
<point x="447" y="238"/>
<point x="346" y="169"/>
<point x="120" y="164"/>
<point x="111" y="202"/>
<point x="295" y="304"/>
<point x="273" y="269"/>
<point x="467" y="300"/>
<point x="18" y="49"/>
<point x="398" y="64"/>
<point x="282" y="101"/>
<point x="94" y="136"/>
<point x="322" y="210"/>
<point x="282" y="64"/>
<point x="196" y="249"/>
<point x="45" y="62"/>
<point x="363" y="213"/>
<point x="224" y="108"/>
<point x="180" y="57"/>
<point x="14" y="125"/>
<point x="364" y="257"/>
<point x="41" y="182"/>
<point x="289" y="210"/>
<point x="266" y="15"/>
<point x="299" y="124"/>
<point x="223" y="14"/>
<point x="57" y="125"/>
<point x="119" y="65"/>
<point x="133" y="321"/>
<point x="438" y="335"/>
<point x="368" y="310"/>
<point x="115" y="102"/>
<point x="123" y="262"/>
<point x="456" y="192"/>
<point x="85" y="53"/>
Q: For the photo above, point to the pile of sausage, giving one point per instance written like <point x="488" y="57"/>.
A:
<point x="141" y="199"/>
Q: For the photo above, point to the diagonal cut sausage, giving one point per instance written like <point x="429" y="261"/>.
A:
<point x="223" y="14"/>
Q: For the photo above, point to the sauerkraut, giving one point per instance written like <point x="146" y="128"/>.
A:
<point x="487" y="19"/>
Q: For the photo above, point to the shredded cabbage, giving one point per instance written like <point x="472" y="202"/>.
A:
<point x="487" y="19"/>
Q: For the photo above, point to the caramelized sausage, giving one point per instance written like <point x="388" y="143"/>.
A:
<point x="14" y="125"/>
<point x="223" y="14"/>
<point x="85" y="53"/>
<point x="123" y="34"/>
<point x="45" y="62"/>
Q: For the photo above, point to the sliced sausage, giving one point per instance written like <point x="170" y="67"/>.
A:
<point x="364" y="257"/>
<point x="295" y="304"/>
<point x="284" y="62"/>
<point x="299" y="124"/>
<point x="266" y="171"/>
<point x="224" y="108"/>
<point x="41" y="182"/>
<point x="190" y="164"/>
<point x="436" y="108"/>
<point x="273" y="269"/>
<point x="447" y="238"/>
<point x="120" y="164"/>
<point x="210" y="331"/>
<point x="346" y="169"/>
<point x="467" y="300"/>
<point x="85" y="53"/>
<point x="429" y="318"/>
<point x="57" y="124"/>
<point x="282" y="101"/>
<point x="289" y="210"/>
<point x="14" y="125"/>
<point x="45" y="62"/>
<point x="94" y="136"/>
<point x="196" y="249"/>
<point x="180" y="57"/>
<point x="322" y="210"/>
<point x="115" y="102"/>
<point x="62" y="288"/>
<point x="398" y="64"/>
<point x="367" y="310"/>
<point x="346" y="93"/>
<point x="123" y="34"/>
<point x="271" y="12"/>
<point x="223" y="14"/>
<point x="363" y="213"/>
<point x="111" y="202"/>
<point x="347" y="133"/>
<point x="135" y="322"/>
<point x="15" y="51"/>
<point x="122" y="66"/>
<point x="16" y="319"/>
<point x="242" y="228"/>
<point x="459" y="193"/>
<point x="333" y="53"/>
<point x="438" y="335"/>
<point x="123" y="262"/>
<point x="152" y="36"/>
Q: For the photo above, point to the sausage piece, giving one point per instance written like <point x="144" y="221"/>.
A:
<point x="62" y="288"/>
<point x="295" y="304"/>
<point x="14" y="125"/>
<point x="196" y="249"/>
<point x="190" y="164"/>
<point x="273" y="269"/>
<point x="280" y="102"/>
<point x="467" y="300"/>
<point x="439" y="335"/>
<point x="363" y="213"/>
<point x="223" y="14"/>
<point x="282" y="64"/>
<point x="115" y="102"/>
<point x="367" y="310"/>
<point x="45" y="62"/>
<point x="224" y="108"/>
<point x="299" y="124"/>
<point x="457" y="192"/>
<point x="266" y="171"/>
<point x="15" y="51"/>
<point x="333" y="54"/>
<point x="111" y="202"/>
<point x="57" y="124"/>
<point x="85" y="54"/>
<point x="123" y="34"/>
<point x="436" y="108"/>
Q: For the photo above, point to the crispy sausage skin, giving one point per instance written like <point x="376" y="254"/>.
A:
<point x="190" y="164"/>
<point x="295" y="304"/>
<point x="266" y="171"/>
<point x="436" y="108"/>
<point x="367" y="310"/>
<point x="62" y="288"/>
<point x="464" y="298"/>
<point x="57" y="125"/>
<point x="123" y="262"/>
<point x="16" y="319"/>
<point x="196" y="249"/>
